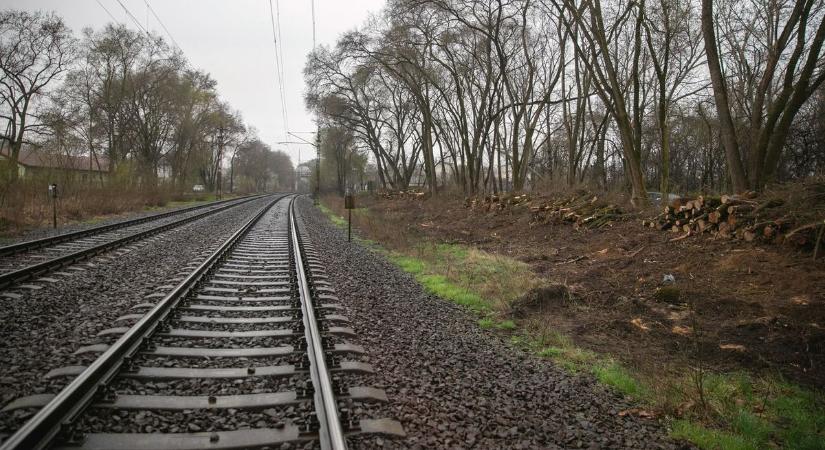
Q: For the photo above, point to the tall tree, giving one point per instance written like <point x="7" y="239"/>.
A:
<point x="35" y="48"/>
<point x="773" y="51"/>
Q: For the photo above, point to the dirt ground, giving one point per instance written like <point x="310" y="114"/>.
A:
<point x="738" y="305"/>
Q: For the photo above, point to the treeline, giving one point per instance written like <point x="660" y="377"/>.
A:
<point x="669" y="95"/>
<point x="130" y="103"/>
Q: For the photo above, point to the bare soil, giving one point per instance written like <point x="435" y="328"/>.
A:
<point x="735" y="306"/>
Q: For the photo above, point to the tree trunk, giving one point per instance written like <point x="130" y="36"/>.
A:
<point x="720" y="96"/>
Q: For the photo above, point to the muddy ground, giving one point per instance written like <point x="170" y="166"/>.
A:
<point x="758" y="307"/>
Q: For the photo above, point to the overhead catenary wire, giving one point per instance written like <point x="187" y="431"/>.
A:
<point x="279" y="67"/>
<point x="162" y="25"/>
<point x="108" y="12"/>
<point x="134" y="19"/>
<point x="280" y="44"/>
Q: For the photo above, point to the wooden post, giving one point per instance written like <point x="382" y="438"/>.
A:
<point x="349" y="205"/>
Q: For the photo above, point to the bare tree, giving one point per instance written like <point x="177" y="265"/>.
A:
<point x="771" y="52"/>
<point x="674" y="42"/>
<point x="612" y="52"/>
<point x="35" y="48"/>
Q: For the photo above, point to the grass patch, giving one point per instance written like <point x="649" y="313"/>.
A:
<point x="613" y="374"/>
<point x="707" y="438"/>
<point x="506" y="325"/>
<point x="732" y="411"/>
<point x="334" y="218"/>
<point x="490" y="280"/>
<point x="489" y="322"/>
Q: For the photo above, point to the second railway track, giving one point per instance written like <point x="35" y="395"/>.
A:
<point x="26" y="260"/>
<point x="251" y="342"/>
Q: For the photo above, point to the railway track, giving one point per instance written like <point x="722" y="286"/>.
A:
<point x="250" y="342"/>
<point x="26" y="260"/>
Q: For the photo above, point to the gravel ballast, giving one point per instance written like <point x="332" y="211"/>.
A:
<point x="452" y="384"/>
<point x="44" y="325"/>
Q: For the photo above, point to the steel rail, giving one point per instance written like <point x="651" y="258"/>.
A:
<point x="57" y="415"/>
<point x="33" y="270"/>
<point x="65" y="237"/>
<point x="331" y="433"/>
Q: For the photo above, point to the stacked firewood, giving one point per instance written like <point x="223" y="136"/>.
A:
<point x="742" y="217"/>
<point x="409" y="194"/>
<point x="496" y="202"/>
<point x="582" y="210"/>
<point x="585" y="210"/>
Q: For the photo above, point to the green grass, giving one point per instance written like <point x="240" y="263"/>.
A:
<point x="613" y="374"/>
<point x="734" y="411"/>
<point x="740" y="411"/>
<point x="334" y="218"/>
<point x="439" y="285"/>
<point x="707" y="438"/>
<point x="506" y="325"/>
<point x="490" y="322"/>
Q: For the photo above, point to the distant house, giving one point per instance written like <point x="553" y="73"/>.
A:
<point x="34" y="161"/>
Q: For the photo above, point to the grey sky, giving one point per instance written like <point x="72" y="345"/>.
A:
<point x="232" y="40"/>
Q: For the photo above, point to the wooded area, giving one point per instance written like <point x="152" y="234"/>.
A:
<point x="667" y="95"/>
<point x="128" y="103"/>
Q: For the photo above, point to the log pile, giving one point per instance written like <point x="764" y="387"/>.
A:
<point x="496" y="202"/>
<point x="582" y="210"/>
<point x="742" y="217"/>
<point x="410" y="194"/>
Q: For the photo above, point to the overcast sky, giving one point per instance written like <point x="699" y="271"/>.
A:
<point x="232" y="40"/>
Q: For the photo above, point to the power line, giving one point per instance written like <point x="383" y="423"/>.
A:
<point x="278" y="67"/>
<point x="280" y="42"/>
<point x="107" y="12"/>
<point x="137" y="22"/>
<point x="152" y="10"/>
<point x="280" y="56"/>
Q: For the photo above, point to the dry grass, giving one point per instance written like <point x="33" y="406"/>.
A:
<point x="449" y="270"/>
<point x="26" y="204"/>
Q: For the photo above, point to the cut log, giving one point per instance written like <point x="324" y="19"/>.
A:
<point x="724" y="230"/>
